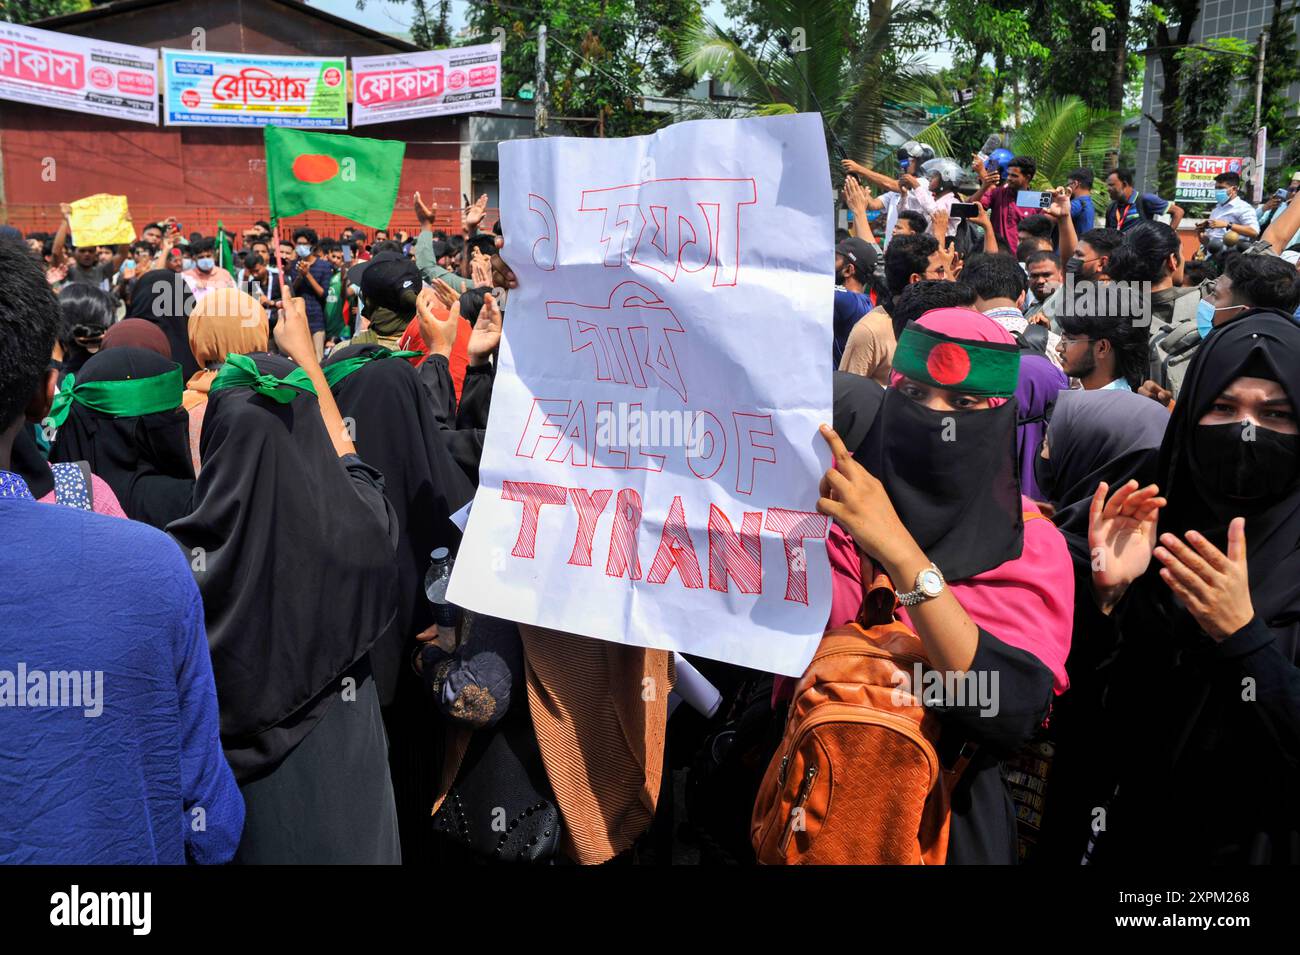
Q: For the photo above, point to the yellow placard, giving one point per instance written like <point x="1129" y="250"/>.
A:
<point x="101" y="220"/>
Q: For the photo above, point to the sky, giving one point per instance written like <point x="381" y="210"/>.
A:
<point x="396" y="18"/>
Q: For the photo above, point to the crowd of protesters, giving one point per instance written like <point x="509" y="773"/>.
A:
<point x="227" y="467"/>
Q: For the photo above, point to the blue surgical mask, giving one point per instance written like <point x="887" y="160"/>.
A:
<point x="1204" y="317"/>
<point x="187" y="264"/>
<point x="1205" y="313"/>
<point x="1220" y="196"/>
<point x="302" y="250"/>
<point x="205" y="263"/>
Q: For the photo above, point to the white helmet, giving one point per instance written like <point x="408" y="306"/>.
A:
<point x="948" y="170"/>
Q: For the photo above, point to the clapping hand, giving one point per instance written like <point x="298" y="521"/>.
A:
<point x="439" y="334"/>
<point x="486" y="336"/>
<point x="1121" y="536"/>
<point x="1214" y="587"/>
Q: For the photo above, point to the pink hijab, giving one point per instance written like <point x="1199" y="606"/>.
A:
<point x="1026" y="603"/>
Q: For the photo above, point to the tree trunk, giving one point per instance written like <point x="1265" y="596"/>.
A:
<point x="1118" y="78"/>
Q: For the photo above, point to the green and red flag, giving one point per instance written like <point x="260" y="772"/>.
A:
<point x="988" y="369"/>
<point x="349" y="176"/>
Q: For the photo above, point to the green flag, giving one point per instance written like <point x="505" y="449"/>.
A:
<point x="225" y="254"/>
<point x="349" y="176"/>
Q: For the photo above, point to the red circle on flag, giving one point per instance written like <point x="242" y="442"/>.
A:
<point x="948" y="363"/>
<point x="313" y="167"/>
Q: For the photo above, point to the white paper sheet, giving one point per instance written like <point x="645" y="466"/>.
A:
<point x="668" y="352"/>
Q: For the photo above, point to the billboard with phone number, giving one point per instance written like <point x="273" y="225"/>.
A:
<point x="241" y="89"/>
<point x="1195" y="181"/>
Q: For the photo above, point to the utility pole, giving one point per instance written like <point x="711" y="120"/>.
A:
<point x="541" y="107"/>
<point x="1259" y="77"/>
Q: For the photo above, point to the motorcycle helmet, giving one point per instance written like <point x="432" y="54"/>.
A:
<point x="1001" y="160"/>
<point x="948" y="170"/>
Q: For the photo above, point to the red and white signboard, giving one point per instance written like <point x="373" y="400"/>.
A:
<point x="652" y="458"/>
<point x="435" y="83"/>
<point x="61" y="71"/>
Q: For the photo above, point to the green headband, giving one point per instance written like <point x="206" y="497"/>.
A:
<point x="240" y="371"/>
<point x="339" y="370"/>
<point x="983" y="369"/>
<point x="125" y="398"/>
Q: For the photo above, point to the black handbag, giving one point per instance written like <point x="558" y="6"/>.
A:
<point x="500" y="807"/>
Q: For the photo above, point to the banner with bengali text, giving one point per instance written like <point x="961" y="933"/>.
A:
<point x="434" y="83"/>
<point x="241" y="89"/>
<point x="59" y="71"/>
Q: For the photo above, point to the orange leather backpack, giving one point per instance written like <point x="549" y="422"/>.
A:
<point x="857" y="778"/>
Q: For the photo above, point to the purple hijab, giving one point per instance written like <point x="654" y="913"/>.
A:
<point x="1040" y="381"/>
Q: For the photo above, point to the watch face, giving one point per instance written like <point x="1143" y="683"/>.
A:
<point x="931" y="583"/>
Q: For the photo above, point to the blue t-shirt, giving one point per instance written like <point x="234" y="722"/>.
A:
<point x="322" y="271"/>
<point x="110" y="741"/>
<point x="849" y="307"/>
<point x="1082" y="214"/>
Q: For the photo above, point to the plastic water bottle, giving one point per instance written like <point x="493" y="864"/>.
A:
<point x="445" y="614"/>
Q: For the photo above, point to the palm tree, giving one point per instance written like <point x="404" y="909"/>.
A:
<point x="1066" y="133"/>
<point x="825" y="57"/>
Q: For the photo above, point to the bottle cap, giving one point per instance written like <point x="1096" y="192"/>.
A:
<point x="440" y="553"/>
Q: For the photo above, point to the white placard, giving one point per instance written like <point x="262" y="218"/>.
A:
<point x="652" y="457"/>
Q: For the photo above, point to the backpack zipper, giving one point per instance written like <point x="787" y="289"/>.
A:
<point x="805" y="790"/>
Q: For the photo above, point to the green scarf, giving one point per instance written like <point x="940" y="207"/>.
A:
<point x="982" y="369"/>
<point x="240" y="371"/>
<point x="336" y="372"/>
<point x="126" y="398"/>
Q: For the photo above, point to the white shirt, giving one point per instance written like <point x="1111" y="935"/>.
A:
<point x="1236" y="211"/>
<point x="929" y="205"/>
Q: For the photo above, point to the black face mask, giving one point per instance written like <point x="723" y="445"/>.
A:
<point x="1258" y="470"/>
<point x="1073" y="265"/>
<point x="953" y="478"/>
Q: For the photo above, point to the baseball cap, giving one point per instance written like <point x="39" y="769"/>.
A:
<point x="860" y="254"/>
<point x="392" y="283"/>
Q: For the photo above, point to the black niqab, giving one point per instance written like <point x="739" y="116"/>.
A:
<point x="162" y="297"/>
<point x="1261" y="345"/>
<point x="145" y="459"/>
<point x="296" y="567"/>
<point x="396" y="431"/>
<point x="953" y="478"/>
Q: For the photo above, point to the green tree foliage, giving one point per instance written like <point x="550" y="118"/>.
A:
<point x="1278" y="107"/>
<point x="29" y="11"/>
<point x="602" y="56"/>
<point x="854" y="62"/>
<point x="1064" y="134"/>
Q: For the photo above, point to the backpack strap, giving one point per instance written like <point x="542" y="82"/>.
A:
<point x="72" y="485"/>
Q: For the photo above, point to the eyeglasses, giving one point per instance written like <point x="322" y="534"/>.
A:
<point x="1067" y="341"/>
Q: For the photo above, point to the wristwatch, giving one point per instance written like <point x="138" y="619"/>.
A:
<point x="929" y="584"/>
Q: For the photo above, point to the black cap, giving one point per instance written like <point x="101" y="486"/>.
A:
<point x="390" y="279"/>
<point x="860" y="254"/>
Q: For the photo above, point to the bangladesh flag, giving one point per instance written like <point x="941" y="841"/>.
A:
<point x="225" y="254"/>
<point x="349" y="176"/>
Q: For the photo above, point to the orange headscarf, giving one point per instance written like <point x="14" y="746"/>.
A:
<point x="225" y="320"/>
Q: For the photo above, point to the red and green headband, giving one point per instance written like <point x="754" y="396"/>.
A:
<point x="983" y="369"/>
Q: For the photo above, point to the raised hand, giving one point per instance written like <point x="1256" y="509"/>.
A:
<point x="447" y="295"/>
<point x="474" y="214"/>
<point x="424" y="211"/>
<point x="1214" y="587"/>
<point x="486" y="336"/>
<point x="480" y="268"/>
<point x="851" y="167"/>
<point x="293" y="334"/>
<point x="855" y="196"/>
<point x="853" y="497"/>
<point x="1121" y="536"/>
<point x="439" y="334"/>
